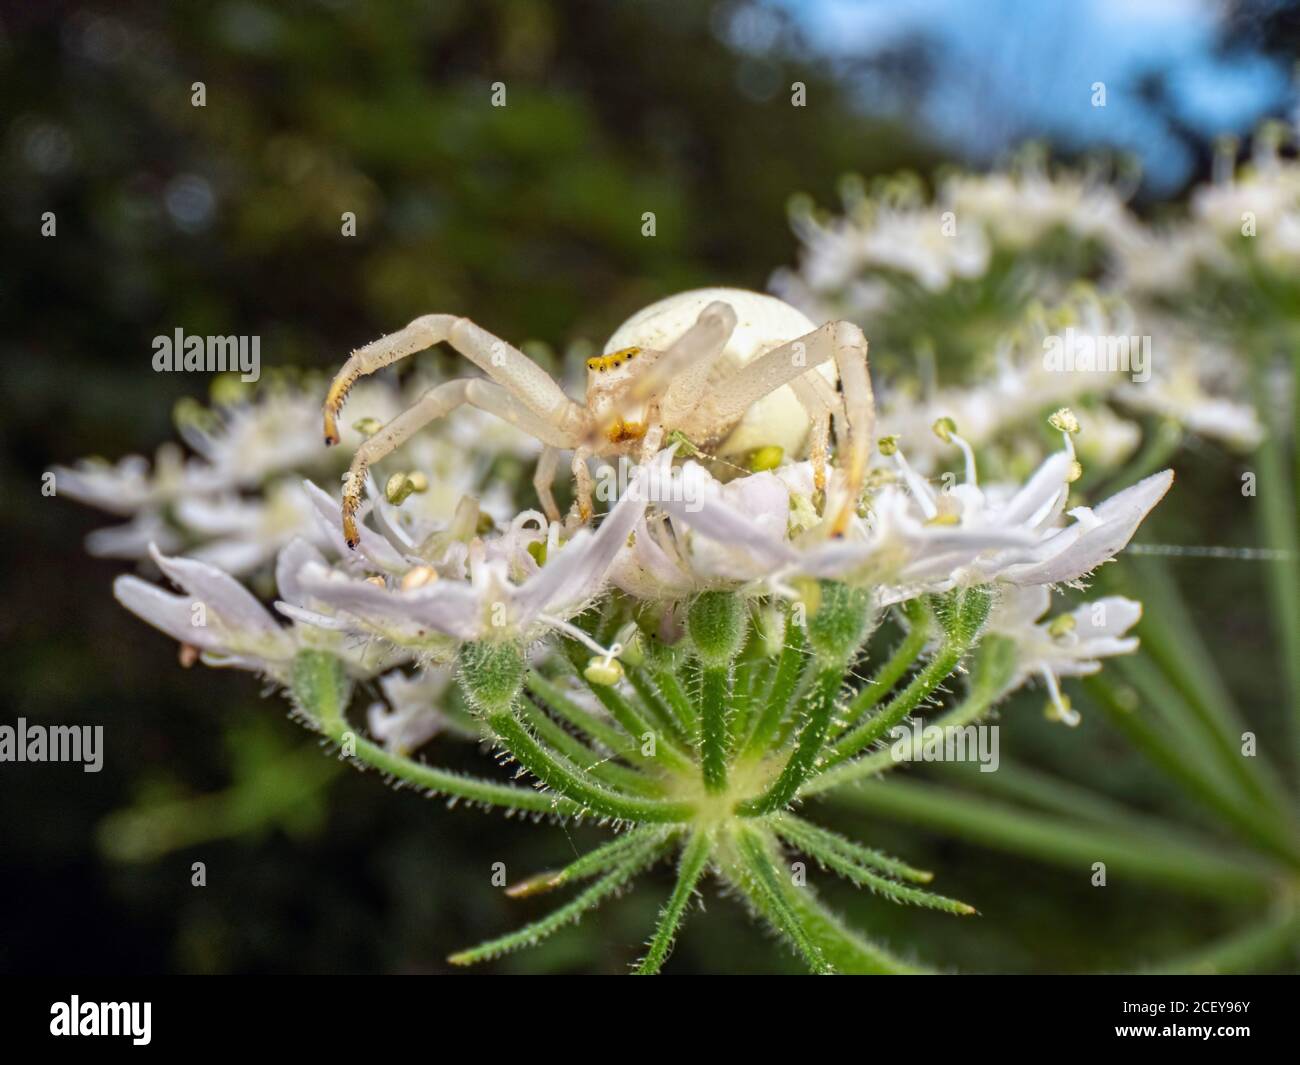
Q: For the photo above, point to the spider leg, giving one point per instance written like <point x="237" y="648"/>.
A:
<point x="506" y="365"/>
<point x="859" y="412"/>
<point x="841" y="341"/>
<point x="583" y="508"/>
<point x="676" y="380"/>
<point x="544" y="479"/>
<point x="652" y="441"/>
<point x="437" y="403"/>
<point x="819" y="413"/>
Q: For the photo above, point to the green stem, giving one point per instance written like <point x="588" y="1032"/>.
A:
<point x="894" y="669"/>
<point x="986" y="688"/>
<point x="630" y="719"/>
<point x="654" y="701"/>
<point x="592" y="897"/>
<point x="762" y="883"/>
<point x="598" y="765"/>
<point x="1264" y="833"/>
<point x="789" y="667"/>
<point x="608" y="736"/>
<point x="899" y="707"/>
<point x="1246" y="950"/>
<point x="594" y="862"/>
<point x="1170" y="638"/>
<point x="320" y="690"/>
<point x="1277" y="519"/>
<point x="715" y="690"/>
<point x="844" y="949"/>
<point x="694" y="859"/>
<point x="834" y="858"/>
<point x="571" y="782"/>
<point x="790" y="826"/>
<point x="821" y="706"/>
<point x="675" y="695"/>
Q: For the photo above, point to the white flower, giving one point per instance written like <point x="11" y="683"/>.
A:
<point x="204" y="504"/>
<point x="214" y="613"/>
<point x="229" y="626"/>
<point x="485" y="589"/>
<point x="240" y="535"/>
<point x="1020" y="208"/>
<point x="905" y="237"/>
<point x="412" y="715"/>
<point x="912" y="540"/>
<point x="1070" y="645"/>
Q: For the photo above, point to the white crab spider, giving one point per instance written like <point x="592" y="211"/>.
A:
<point x="729" y="369"/>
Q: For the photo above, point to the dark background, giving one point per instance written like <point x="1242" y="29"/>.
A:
<point x="225" y="219"/>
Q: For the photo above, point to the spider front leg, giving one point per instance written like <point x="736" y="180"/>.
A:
<point x="436" y="403"/>
<point x="505" y="364"/>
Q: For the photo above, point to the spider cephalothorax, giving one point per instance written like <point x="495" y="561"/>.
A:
<point x="727" y="369"/>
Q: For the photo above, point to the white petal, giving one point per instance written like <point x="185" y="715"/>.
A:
<point x="293" y="557"/>
<point x="1047" y="482"/>
<point x="1111" y="616"/>
<point x="1119" y="518"/>
<point x="221" y="595"/>
<point x="173" y="614"/>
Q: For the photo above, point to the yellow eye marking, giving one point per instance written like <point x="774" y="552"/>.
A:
<point x="601" y="363"/>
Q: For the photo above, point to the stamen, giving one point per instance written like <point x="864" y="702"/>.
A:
<point x="946" y="430"/>
<point x="577" y="634"/>
<point x="915" y="483"/>
<point x="1059" y="708"/>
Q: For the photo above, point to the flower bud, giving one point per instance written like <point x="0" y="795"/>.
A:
<point x="842" y="620"/>
<point x="716" y="623"/>
<point x="491" y="674"/>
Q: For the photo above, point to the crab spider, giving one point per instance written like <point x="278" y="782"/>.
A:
<point x="731" y="370"/>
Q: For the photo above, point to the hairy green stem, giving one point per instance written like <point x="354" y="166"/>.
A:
<point x="715" y="692"/>
<point x="608" y="736"/>
<point x="834" y="857"/>
<point x="682" y="706"/>
<point x="889" y="674"/>
<point x="921" y="687"/>
<point x="695" y="857"/>
<point x="570" y="781"/>
<point x="319" y="688"/>
<point x="598" y="765"/>
<point x="592" y="897"/>
<point x="793" y="827"/>
<point x="789" y="667"/>
<point x="763" y="884"/>
<point x="821" y="707"/>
